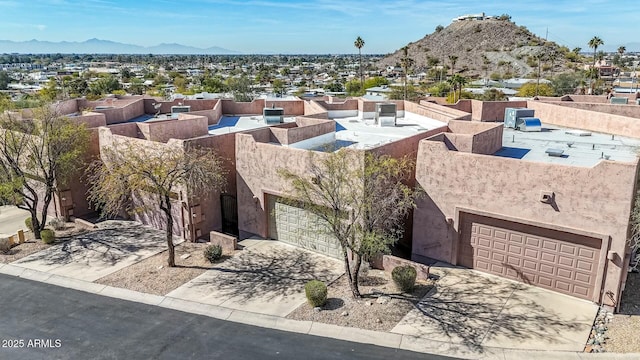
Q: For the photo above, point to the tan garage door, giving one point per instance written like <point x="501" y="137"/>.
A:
<point x="299" y="227"/>
<point x="559" y="261"/>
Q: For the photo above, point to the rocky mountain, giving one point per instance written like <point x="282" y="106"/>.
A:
<point x="97" y="46"/>
<point x="482" y="47"/>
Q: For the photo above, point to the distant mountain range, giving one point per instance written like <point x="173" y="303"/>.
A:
<point x="97" y="46"/>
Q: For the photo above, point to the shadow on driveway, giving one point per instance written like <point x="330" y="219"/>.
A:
<point x="473" y="309"/>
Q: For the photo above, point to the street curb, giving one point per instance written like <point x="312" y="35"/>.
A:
<point x="379" y="338"/>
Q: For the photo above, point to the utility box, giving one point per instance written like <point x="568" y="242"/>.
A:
<point x="511" y="116"/>
<point x="619" y="100"/>
<point x="273" y="115"/>
<point x="529" y="124"/>
<point x="386" y="114"/>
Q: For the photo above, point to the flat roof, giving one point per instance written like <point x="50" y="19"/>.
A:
<point x="366" y="134"/>
<point x="231" y="124"/>
<point x="578" y="148"/>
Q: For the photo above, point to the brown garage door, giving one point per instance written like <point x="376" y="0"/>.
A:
<point x="559" y="261"/>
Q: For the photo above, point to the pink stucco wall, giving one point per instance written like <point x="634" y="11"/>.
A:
<point x="230" y="107"/>
<point x="291" y="107"/>
<point x="585" y="119"/>
<point x="185" y="127"/>
<point x="630" y="110"/>
<point x="596" y="200"/>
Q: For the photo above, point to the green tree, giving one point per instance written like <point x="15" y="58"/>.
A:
<point x="240" y="87"/>
<point x="354" y="88"/>
<point x="278" y="86"/>
<point x="493" y="95"/>
<point x="51" y="91"/>
<point x="439" y="28"/>
<point x="566" y="83"/>
<point x="37" y="157"/>
<point x="105" y="85"/>
<point x="404" y="93"/>
<point x="362" y="201"/>
<point x="4" y="80"/>
<point x="158" y="172"/>
<point x="375" y="81"/>
<point x="529" y="90"/>
<point x="440" y="89"/>
<point x="335" y="87"/>
<point x="359" y="44"/>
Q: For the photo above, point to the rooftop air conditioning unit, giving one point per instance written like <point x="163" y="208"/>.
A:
<point x="529" y="124"/>
<point x="386" y="114"/>
<point x="273" y="115"/>
<point x="511" y="116"/>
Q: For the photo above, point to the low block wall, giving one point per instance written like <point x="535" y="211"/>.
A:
<point x="228" y="243"/>
<point x="84" y="224"/>
<point x="389" y="262"/>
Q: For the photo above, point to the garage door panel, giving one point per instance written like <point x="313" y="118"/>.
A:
<point x="558" y="261"/>
<point x="299" y="227"/>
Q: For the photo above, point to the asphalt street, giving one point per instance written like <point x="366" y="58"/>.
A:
<point x="41" y="321"/>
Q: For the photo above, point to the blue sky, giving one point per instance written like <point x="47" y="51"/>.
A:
<point x="311" y="26"/>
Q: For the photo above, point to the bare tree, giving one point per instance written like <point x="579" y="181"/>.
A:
<point x="362" y="200"/>
<point x="38" y="154"/>
<point x="155" y="171"/>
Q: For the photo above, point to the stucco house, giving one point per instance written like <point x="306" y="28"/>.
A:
<point x="550" y="208"/>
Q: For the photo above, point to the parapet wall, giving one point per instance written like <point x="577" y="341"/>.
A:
<point x="585" y="119"/>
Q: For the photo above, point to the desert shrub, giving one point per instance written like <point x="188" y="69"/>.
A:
<point x="213" y="253"/>
<point x="404" y="277"/>
<point x="57" y="223"/>
<point x="316" y="292"/>
<point x="28" y="224"/>
<point x="5" y="245"/>
<point x="48" y="236"/>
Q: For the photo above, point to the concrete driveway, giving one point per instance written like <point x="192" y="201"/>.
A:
<point x="11" y="220"/>
<point x="92" y="255"/>
<point x="267" y="277"/>
<point x="476" y="309"/>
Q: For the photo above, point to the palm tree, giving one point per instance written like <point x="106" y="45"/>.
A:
<point x="594" y="43"/>
<point x="621" y="50"/>
<point x="453" y="60"/>
<point x="359" y="43"/>
<point x="457" y="82"/>
<point x="406" y="62"/>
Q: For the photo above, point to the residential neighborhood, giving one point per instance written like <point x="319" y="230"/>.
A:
<point x="472" y="194"/>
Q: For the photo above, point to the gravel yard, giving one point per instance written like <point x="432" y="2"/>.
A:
<point x="153" y="276"/>
<point x="382" y="307"/>
<point x="623" y="330"/>
<point x="22" y="250"/>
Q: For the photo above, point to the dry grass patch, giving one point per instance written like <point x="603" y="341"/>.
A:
<point x="381" y="308"/>
<point x="623" y="330"/>
<point x="153" y="276"/>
